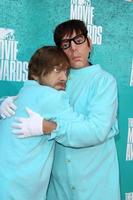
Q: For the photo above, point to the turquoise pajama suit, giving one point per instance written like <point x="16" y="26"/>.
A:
<point x="25" y="164"/>
<point x="85" y="162"/>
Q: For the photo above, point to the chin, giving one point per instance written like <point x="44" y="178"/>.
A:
<point x="60" y="88"/>
<point x="77" y="65"/>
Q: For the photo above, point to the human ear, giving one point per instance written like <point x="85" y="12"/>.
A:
<point x="35" y="77"/>
<point x="89" y="41"/>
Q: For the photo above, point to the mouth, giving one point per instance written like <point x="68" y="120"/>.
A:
<point x="61" y="86"/>
<point x="76" y="58"/>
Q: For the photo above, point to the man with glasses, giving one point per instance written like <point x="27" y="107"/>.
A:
<point x="85" y="163"/>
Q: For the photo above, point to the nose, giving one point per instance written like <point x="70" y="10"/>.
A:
<point x="73" y="45"/>
<point x="63" y="76"/>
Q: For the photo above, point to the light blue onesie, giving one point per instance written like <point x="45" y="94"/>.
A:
<point x="25" y="164"/>
<point x="88" y="170"/>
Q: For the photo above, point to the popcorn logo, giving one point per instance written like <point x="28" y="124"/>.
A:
<point x="131" y="1"/>
<point x="6" y="34"/>
<point x="84" y="2"/>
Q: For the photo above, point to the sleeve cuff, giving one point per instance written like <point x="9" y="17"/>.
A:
<point x="59" y="132"/>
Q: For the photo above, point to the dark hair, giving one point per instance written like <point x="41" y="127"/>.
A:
<point x="45" y="59"/>
<point x="67" y="28"/>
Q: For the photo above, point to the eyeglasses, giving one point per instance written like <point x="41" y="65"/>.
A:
<point x="78" y="39"/>
<point x="58" y="69"/>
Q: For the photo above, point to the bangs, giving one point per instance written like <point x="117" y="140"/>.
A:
<point x="60" y="60"/>
<point x="67" y="29"/>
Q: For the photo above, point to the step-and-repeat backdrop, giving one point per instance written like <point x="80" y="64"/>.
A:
<point x="28" y="25"/>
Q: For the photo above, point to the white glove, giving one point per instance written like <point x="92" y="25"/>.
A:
<point x="7" y="107"/>
<point x="27" y="127"/>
